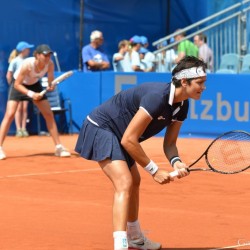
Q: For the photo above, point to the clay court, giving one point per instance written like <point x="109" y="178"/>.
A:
<point x="48" y="203"/>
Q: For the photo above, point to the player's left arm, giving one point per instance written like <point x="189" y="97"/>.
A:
<point x="50" y="75"/>
<point x="170" y="147"/>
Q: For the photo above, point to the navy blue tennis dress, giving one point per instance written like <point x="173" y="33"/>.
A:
<point x="102" y="130"/>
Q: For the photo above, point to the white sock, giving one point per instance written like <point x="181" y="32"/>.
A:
<point x="134" y="230"/>
<point x="120" y="240"/>
<point x="59" y="146"/>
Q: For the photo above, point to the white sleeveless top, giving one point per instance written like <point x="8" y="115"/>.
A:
<point x="33" y="76"/>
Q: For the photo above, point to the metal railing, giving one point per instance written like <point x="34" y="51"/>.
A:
<point x="226" y="32"/>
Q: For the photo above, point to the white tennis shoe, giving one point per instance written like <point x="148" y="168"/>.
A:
<point x="62" y="152"/>
<point x="143" y="243"/>
<point x="2" y="154"/>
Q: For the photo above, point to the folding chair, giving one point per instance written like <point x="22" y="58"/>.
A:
<point x="230" y="63"/>
<point x="58" y="107"/>
<point x="245" y="69"/>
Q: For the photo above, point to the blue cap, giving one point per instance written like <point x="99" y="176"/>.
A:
<point x="164" y="43"/>
<point x="23" y="45"/>
<point x="135" y="39"/>
<point x="143" y="50"/>
<point x="171" y="40"/>
<point x="144" y="40"/>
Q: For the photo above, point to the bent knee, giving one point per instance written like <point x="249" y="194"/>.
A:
<point x="124" y="185"/>
<point x="48" y="115"/>
<point x="9" y="115"/>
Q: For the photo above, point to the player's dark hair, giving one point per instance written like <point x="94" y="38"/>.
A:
<point x="186" y="63"/>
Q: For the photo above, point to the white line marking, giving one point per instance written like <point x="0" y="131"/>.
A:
<point x="230" y="247"/>
<point x="68" y="171"/>
<point x="49" y="173"/>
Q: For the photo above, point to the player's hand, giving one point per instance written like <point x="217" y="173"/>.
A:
<point x="162" y="176"/>
<point x="181" y="167"/>
<point x="51" y="87"/>
<point x="37" y="97"/>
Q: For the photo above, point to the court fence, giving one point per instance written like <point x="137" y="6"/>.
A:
<point x="227" y="31"/>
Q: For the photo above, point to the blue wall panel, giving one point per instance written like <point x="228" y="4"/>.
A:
<point x="224" y="105"/>
<point x="83" y="89"/>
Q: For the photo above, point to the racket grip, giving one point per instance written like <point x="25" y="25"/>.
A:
<point x="174" y="174"/>
<point x="42" y="93"/>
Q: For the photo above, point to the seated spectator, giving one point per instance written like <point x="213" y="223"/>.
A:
<point x="93" y="56"/>
<point x="185" y="47"/>
<point x="149" y="57"/>
<point x="205" y="53"/>
<point x="132" y="58"/>
<point x="118" y="57"/>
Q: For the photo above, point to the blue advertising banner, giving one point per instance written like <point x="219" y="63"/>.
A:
<point x="224" y="104"/>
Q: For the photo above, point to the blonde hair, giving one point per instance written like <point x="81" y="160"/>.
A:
<point x="14" y="53"/>
<point x="123" y="43"/>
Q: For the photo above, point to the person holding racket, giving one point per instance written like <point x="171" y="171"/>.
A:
<point x="111" y="135"/>
<point x="27" y="86"/>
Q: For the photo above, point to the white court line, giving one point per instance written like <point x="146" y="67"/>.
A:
<point x="49" y="173"/>
<point x="230" y="247"/>
<point x="68" y="171"/>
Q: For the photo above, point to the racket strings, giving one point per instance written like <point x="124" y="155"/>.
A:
<point x="230" y="153"/>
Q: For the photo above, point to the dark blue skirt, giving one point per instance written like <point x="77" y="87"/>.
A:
<point x="97" y="144"/>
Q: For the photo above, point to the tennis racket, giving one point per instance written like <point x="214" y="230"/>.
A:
<point x="229" y="153"/>
<point x="58" y="80"/>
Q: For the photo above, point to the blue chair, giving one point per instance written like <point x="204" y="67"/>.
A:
<point x="58" y="107"/>
<point x="230" y="64"/>
<point x="245" y="68"/>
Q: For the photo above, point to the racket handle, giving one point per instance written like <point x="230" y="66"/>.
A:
<point x="174" y="174"/>
<point x="42" y="93"/>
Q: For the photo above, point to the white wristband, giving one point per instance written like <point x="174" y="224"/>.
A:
<point x="151" y="168"/>
<point x="30" y="93"/>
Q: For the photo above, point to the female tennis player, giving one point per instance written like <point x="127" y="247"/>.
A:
<point x="112" y="132"/>
<point x="27" y="87"/>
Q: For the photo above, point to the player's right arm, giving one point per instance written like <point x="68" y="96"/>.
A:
<point x="130" y="141"/>
<point x="9" y="76"/>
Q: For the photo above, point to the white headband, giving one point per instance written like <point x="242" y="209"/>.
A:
<point x="190" y="73"/>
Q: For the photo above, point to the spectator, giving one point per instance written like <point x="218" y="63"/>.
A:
<point x="16" y="58"/>
<point x="166" y="58"/>
<point x="143" y="64"/>
<point x="149" y="57"/>
<point x="93" y="56"/>
<point x="205" y="53"/>
<point x="132" y="58"/>
<point x="118" y="57"/>
<point x="185" y="47"/>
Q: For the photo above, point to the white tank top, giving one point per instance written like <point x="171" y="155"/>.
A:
<point x="33" y="76"/>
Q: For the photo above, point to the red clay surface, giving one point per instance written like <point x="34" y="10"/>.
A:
<point x="48" y="203"/>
